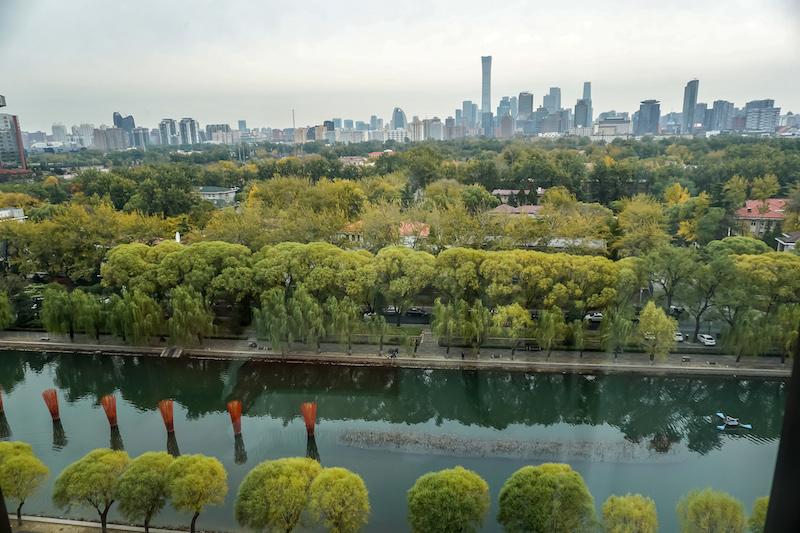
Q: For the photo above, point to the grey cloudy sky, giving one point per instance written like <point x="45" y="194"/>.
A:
<point x="79" y="61"/>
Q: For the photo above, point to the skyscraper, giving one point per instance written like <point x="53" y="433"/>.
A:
<point x="552" y="100"/>
<point x="525" y="105"/>
<point x="762" y="115"/>
<point x="467" y="117"/>
<point x="582" y="114"/>
<point x="243" y="126"/>
<point x="486" y="85"/>
<point x="587" y="95"/>
<point x="124" y="123"/>
<point x="399" y="121"/>
<point x="689" y="102"/>
<point x="59" y="133"/>
<point x="504" y="107"/>
<point x="87" y="134"/>
<point x="141" y="137"/>
<point x="373" y="122"/>
<point x="649" y="116"/>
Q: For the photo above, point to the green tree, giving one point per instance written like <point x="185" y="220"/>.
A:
<point x="7" y="315"/>
<point x="755" y="524"/>
<point x="708" y="511"/>
<point x="21" y="473"/>
<point x="642" y="225"/>
<point x="670" y="267"/>
<point x="191" y="318"/>
<point x="402" y="274"/>
<point x="445" y="323"/>
<point x="446" y="501"/>
<point x="629" y="514"/>
<point x="338" y="499"/>
<point x="750" y="335"/>
<point x="274" y="494"/>
<point x="57" y="314"/>
<point x="142" y="488"/>
<point x="275" y="320"/>
<point x="378" y="329"/>
<point x="764" y="188"/>
<point x="787" y="329"/>
<point x="550" y="497"/>
<point x="345" y="319"/>
<point x="476" y="324"/>
<point x="735" y="191"/>
<point x="577" y="330"/>
<point x="549" y="327"/>
<point x="91" y="480"/>
<point x="701" y="288"/>
<point x="134" y="316"/>
<point x="194" y="481"/>
<point x="615" y="331"/>
<point x="512" y="321"/>
<point x="656" y="331"/>
<point x="310" y="317"/>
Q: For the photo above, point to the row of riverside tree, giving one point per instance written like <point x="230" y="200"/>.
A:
<point x="279" y="495"/>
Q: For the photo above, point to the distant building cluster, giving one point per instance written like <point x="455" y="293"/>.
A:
<point x="513" y="116"/>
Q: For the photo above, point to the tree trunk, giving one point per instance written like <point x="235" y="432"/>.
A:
<point x="447" y="351"/>
<point x="380" y="346"/>
<point x="72" y="337"/>
<point x="194" y="519"/>
<point x="652" y="357"/>
<point x="19" y="514"/>
<point x="147" y="524"/>
<point x="103" y="517"/>
<point x="398" y="319"/>
<point x="696" y="329"/>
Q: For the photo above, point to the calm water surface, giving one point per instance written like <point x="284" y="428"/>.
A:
<point x="655" y="436"/>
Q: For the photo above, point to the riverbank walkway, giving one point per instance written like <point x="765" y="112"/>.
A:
<point x="428" y="355"/>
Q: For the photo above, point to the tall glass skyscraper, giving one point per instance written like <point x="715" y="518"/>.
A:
<point x="587" y="96"/>
<point x="486" y="86"/>
<point x="689" y="103"/>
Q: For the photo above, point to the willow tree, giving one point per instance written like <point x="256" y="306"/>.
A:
<point x="345" y="317"/>
<point x="195" y="481"/>
<point x="275" y="320"/>
<point x="310" y="317"/>
<point x="445" y="322"/>
<point x="709" y="510"/>
<point x="338" y="500"/>
<point x="615" y="331"/>
<point x="450" y="500"/>
<point x="629" y="514"/>
<point x="550" y="497"/>
<point x="91" y="481"/>
<point x="57" y="313"/>
<point x="142" y="488"/>
<point x="135" y="317"/>
<point x="656" y="331"/>
<point x="21" y="473"/>
<point x="191" y="318"/>
<point x="548" y="328"/>
<point x="7" y="315"/>
<point x="512" y="321"/>
<point x="476" y="325"/>
<point x="274" y="494"/>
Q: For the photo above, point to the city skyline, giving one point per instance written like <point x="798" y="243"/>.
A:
<point x="219" y="67"/>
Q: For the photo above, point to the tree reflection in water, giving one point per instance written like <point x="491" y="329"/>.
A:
<point x="659" y="411"/>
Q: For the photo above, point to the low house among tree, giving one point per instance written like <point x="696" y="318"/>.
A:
<point x="515" y="195"/>
<point x="529" y="210"/>
<point x="411" y="233"/>
<point x="787" y="241"/>
<point x="219" y="196"/>
<point x="761" y="217"/>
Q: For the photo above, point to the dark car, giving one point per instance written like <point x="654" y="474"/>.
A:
<point x="416" y="311"/>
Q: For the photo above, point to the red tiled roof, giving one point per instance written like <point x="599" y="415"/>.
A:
<point x="752" y="209"/>
<point x="504" y="208"/>
<point x="415" y="228"/>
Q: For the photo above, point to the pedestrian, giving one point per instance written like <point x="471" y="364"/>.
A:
<point x="462" y="355"/>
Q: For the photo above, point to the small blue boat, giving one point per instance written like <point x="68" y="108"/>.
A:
<point x="728" y="422"/>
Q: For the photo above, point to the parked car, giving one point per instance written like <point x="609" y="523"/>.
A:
<point x="706" y="340"/>
<point x="678" y="336"/>
<point x="594" y="317"/>
<point x="676" y="311"/>
<point x="416" y="311"/>
<point x="390" y="311"/>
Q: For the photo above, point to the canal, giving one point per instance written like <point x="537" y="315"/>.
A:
<point x="651" y="435"/>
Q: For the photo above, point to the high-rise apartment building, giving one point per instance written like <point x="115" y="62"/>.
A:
<point x="86" y="132"/>
<point x="12" y="153"/>
<point x="168" y="130"/>
<point x="761" y="115"/>
<point x="649" y="117"/>
<point x="243" y="126"/>
<point x="552" y="100"/>
<point x="328" y="124"/>
<point x="111" y="139"/>
<point x="124" y="123"/>
<point x="211" y="129"/>
<point x="187" y="129"/>
<point x="457" y="120"/>
<point x="486" y="85"/>
<point x="59" y="133"/>
<point x="689" y="103"/>
<point x="337" y="123"/>
<point x="721" y="116"/>
<point x="700" y="111"/>
<point x="506" y="125"/>
<point x="141" y="137"/>
<point x="373" y="122"/>
<point x="525" y="105"/>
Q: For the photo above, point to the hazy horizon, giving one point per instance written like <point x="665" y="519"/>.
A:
<point x="81" y="61"/>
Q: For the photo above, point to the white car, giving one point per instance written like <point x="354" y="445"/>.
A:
<point x="678" y="336"/>
<point x="706" y="340"/>
<point x="594" y="317"/>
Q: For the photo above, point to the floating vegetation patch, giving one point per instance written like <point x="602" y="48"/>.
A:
<point x="539" y="449"/>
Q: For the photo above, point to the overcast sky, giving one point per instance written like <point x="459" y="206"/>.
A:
<point x="81" y="60"/>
